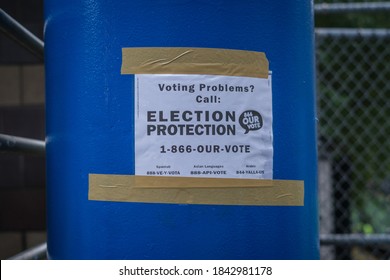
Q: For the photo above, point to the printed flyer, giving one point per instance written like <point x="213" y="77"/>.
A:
<point x="203" y="126"/>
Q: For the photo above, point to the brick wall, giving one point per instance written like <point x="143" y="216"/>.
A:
<point x="22" y="113"/>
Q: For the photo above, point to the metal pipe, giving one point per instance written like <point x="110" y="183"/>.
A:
<point x="353" y="32"/>
<point x="9" y="143"/>
<point x="354" y="239"/>
<point x="20" y="34"/>
<point x="332" y="8"/>
<point x="35" y="253"/>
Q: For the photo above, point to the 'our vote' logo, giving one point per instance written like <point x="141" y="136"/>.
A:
<point x="251" y="120"/>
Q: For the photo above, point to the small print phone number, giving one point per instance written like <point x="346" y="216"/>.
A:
<point x="234" y="271"/>
<point x="205" y="149"/>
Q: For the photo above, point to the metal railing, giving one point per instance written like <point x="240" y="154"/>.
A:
<point x="328" y="8"/>
<point x="9" y="143"/>
<point x="38" y="252"/>
<point x="17" y="32"/>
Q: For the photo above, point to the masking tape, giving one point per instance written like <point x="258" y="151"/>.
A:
<point x="189" y="190"/>
<point x="205" y="61"/>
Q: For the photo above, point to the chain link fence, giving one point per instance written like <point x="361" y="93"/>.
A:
<point x="353" y="93"/>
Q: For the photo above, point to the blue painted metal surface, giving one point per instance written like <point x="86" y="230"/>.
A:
<point x="90" y="129"/>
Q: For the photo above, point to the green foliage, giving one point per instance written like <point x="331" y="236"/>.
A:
<point x="354" y="20"/>
<point x="377" y="19"/>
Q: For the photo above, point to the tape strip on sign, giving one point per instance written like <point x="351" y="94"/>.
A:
<point x="188" y="190"/>
<point x="194" y="61"/>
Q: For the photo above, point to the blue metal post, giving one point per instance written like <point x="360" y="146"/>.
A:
<point x="90" y="129"/>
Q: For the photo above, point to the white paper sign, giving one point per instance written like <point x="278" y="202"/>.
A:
<point x="203" y="126"/>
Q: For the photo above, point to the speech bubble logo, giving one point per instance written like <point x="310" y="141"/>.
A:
<point x="251" y="120"/>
